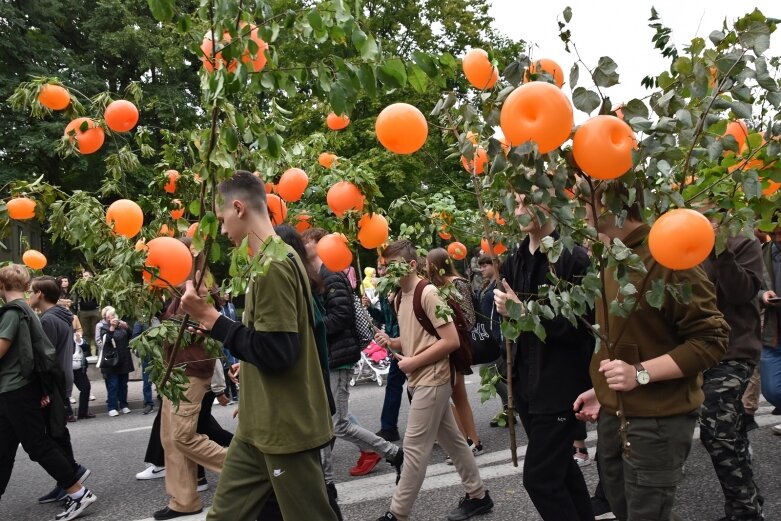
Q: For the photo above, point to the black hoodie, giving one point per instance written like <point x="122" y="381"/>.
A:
<point x="57" y="323"/>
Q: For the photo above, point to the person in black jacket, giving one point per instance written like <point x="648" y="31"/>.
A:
<point x="548" y="376"/>
<point x="115" y="334"/>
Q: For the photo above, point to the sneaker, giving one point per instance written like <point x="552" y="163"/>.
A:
<point x="58" y="494"/>
<point x="125" y="410"/>
<point x="74" y="507"/>
<point x="366" y="463"/>
<point x="92" y="397"/>
<point x="148" y="408"/>
<point x="478" y="449"/>
<point x="82" y="473"/>
<point x="151" y="472"/>
<point x="388" y="517"/>
<point x="776" y="411"/>
<point x="776" y="429"/>
<point x="749" y="423"/>
<point x="72" y="400"/>
<point x="113" y="412"/>
<point x="605" y="516"/>
<point x="167" y="513"/>
<point x="86" y="416"/>
<point x="398" y="462"/>
<point x="389" y="434"/>
<point x="203" y="485"/>
<point x="580" y="455"/>
<point x="333" y="497"/>
<point x="469" y="507"/>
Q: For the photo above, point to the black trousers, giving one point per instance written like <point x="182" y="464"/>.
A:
<point x="551" y="476"/>
<point x="81" y="382"/>
<point x="23" y="421"/>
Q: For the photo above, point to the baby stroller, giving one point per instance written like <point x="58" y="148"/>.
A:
<point x="374" y="364"/>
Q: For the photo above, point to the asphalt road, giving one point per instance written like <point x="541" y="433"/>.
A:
<point x="113" y="448"/>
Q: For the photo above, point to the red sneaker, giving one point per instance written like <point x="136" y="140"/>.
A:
<point x="366" y="463"/>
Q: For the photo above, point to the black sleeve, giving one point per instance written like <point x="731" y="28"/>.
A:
<point x="273" y="352"/>
<point x="572" y="268"/>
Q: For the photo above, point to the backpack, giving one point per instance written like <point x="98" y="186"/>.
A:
<point x="461" y="358"/>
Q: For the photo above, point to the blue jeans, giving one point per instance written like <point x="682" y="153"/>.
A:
<point x="116" y="387"/>
<point x="389" y="419"/>
<point x="770" y="370"/>
<point x="147" y="388"/>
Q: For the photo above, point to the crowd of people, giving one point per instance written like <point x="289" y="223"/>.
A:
<point x="303" y="328"/>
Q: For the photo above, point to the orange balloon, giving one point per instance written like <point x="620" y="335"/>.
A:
<point x="292" y="184"/>
<point x="54" y="97"/>
<point x="191" y="230"/>
<point x="739" y="131"/>
<point x="602" y="147"/>
<point x="302" y="222"/>
<point x="472" y="137"/>
<point x="335" y="122"/>
<point x="681" y="239"/>
<point x="125" y="217"/>
<point x="256" y="61"/>
<point x="494" y="216"/>
<point x="165" y="231"/>
<point x="334" y="252"/>
<point x="479" y="70"/>
<point x="401" y="128"/>
<point x="771" y="188"/>
<point x="445" y="235"/>
<point x="478" y="162"/>
<point x="34" y="259"/>
<point x="344" y="196"/>
<point x="499" y="247"/>
<point x="547" y="66"/>
<point x="539" y="112"/>
<point x="21" y="208"/>
<point x="178" y="212"/>
<point x="172" y="176"/>
<point x="269" y="187"/>
<point x="372" y="230"/>
<point x="456" y="250"/>
<point x="172" y="259"/>
<point x="121" y="116"/>
<point x="326" y="159"/>
<point x="277" y="209"/>
<point x="87" y="141"/>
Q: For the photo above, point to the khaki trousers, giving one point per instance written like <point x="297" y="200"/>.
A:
<point x="185" y="449"/>
<point x="431" y="418"/>
<point x="751" y="396"/>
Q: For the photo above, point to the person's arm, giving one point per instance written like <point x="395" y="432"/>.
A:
<point x="5" y="345"/>
<point x="447" y="343"/>
<point x="98" y="336"/>
<point x="739" y="271"/>
<point x="339" y="310"/>
<point x="271" y="352"/>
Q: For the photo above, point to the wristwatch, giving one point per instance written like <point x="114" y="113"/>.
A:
<point x="642" y="375"/>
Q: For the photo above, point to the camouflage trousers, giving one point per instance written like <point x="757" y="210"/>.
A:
<point x="723" y="435"/>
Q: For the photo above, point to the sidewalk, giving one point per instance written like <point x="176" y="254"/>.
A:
<point x="135" y="395"/>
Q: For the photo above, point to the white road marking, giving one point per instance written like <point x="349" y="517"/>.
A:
<point x="148" y="427"/>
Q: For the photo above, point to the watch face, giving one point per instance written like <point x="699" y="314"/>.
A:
<point x="643" y="377"/>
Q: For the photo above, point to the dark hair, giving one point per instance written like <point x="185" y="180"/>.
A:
<point x="47" y="285"/>
<point x="246" y="187"/>
<point x="64" y="293"/>
<point x="484" y="259"/>
<point x="440" y="267"/>
<point x="289" y="234"/>
<point x="403" y="248"/>
<point x="313" y="235"/>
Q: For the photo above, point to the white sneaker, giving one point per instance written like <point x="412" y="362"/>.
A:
<point x="113" y="412"/>
<point x="125" y="410"/>
<point x="605" y="516"/>
<point x="151" y="472"/>
<point x="776" y="429"/>
<point x="72" y="399"/>
<point x="74" y="507"/>
<point x="92" y="398"/>
<point x="203" y="485"/>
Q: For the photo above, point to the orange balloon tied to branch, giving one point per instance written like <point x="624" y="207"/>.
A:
<point x="456" y="250"/>
<point x="192" y="229"/>
<point x="171" y="258"/>
<point x="445" y="235"/>
<point x="54" y="97"/>
<point x="538" y="112"/>
<point x="165" y="231"/>
<point x="121" y="116"/>
<point x="478" y="69"/>
<point x="302" y="222"/>
<point x="401" y="128"/>
<point x="292" y="184"/>
<point x="546" y="66"/>
<point x="326" y="159"/>
<point x="494" y="216"/>
<point x="125" y="217"/>
<point x="21" y="208"/>
<point x="178" y="212"/>
<point x="372" y="230"/>
<point x="602" y="147"/>
<point x="477" y="164"/>
<point x="334" y="252"/>
<point x="88" y="134"/>
<point x="499" y="247"/>
<point x="335" y="122"/>
<point x="344" y="196"/>
<point x="771" y="188"/>
<point x="34" y="259"/>
<point x="173" y="176"/>
<point x="681" y="239"/>
<point x="255" y="61"/>
<point x="739" y="131"/>
<point x="277" y="209"/>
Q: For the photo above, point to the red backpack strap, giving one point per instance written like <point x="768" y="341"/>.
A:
<point x="420" y="313"/>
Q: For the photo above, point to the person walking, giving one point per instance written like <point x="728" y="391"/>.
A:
<point x="116" y="362"/>
<point x="80" y="378"/>
<point x="770" y="361"/>
<point x="89" y="315"/>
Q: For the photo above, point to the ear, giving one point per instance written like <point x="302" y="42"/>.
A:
<point x="239" y="207"/>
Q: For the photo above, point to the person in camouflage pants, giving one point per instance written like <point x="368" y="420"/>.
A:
<point x="737" y="274"/>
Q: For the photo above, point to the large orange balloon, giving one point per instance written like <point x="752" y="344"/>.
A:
<point x="401" y="128"/>
<point x="334" y="252"/>
<point x="344" y="196"/>
<point x="292" y="184"/>
<point x="681" y="239"/>
<point x="739" y="131"/>
<point x="178" y="212"/>
<point x="34" y="259"/>
<point x="172" y="259"/>
<point x="21" y="208"/>
<point x="602" y="147"/>
<point x="125" y="217"/>
<point x="499" y="247"/>
<point x="335" y="122"/>
<point x="539" y="112"/>
<point x="121" y="116"/>
<point x="256" y="62"/>
<point x="302" y="222"/>
<point x="173" y="177"/>
<point x="372" y="230"/>
<point x="479" y="70"/>
<point x="87" y="141"/>
<point x="549" y="67"/>
<point x="54" y="97"/>
<point x="456" y="250"/>
<point x="326" y="159"/>
<point x="277" y="209"/>
<point x="478" y="162"/>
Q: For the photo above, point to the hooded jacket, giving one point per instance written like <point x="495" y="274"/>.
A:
<point x="57" y="323"/>
<point x="343" y="348"/>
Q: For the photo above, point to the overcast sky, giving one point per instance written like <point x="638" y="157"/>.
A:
<point x="619" y="29"/>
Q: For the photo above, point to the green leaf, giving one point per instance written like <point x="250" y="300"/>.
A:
<point x="368" y="79"/>
<point x="756" y="36"/>
<point x="230" y="139"/>
<point x="425" y="62"/>
<point x="417" y="78"/>
<point x="338" y="99"/>
<point x="513" y="73"/>
<point x="574" y="75"/>
<point x="393" y="73"/>
<point x="215" y="255"/>
<point x="567" y="14"/>
<point x="195" y="207"/>
<point x="655" y="296"/>
<point x="605" y="74"/>
<point x="585" y="100"/>
<point x="162" y="10"/>
<point x="752" y="188"/>
<point x="634" y="108"/>
<point x="741" y="109"/>
<point x="315" y="20"/>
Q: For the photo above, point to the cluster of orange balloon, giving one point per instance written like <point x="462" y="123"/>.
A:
<point x="120" y="116"/>
<point x="499" y="246"/>
<point x="681" y="239"/>
<point x="739" y="130"/>
<point x="255" y="61"/>
<point x="344" y="196"/>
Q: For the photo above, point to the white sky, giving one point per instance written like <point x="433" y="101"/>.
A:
<point x="619" y="29"/>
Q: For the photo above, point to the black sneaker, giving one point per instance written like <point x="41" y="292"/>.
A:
<point x="398" y="462"/>
<point x="469" y="507"/>
<point x="749" y="423"/>
<point x="148" y="408"/>
<point x="388" y="517"/>
<point x="389" y="435"/>
<point x="58" y="494"/>
<point x="167" y="513"/>
<point x="74" y="507"/>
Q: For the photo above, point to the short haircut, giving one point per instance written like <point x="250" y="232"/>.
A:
<point x="313" y="235"/>
<point x="246" y="187"/>
<point x="403" y="248"/>
<point x="14" y="277"/>
<point x="484" y="259"/>
<point x="47" y="285"/>
<point x="289" y="234"/>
